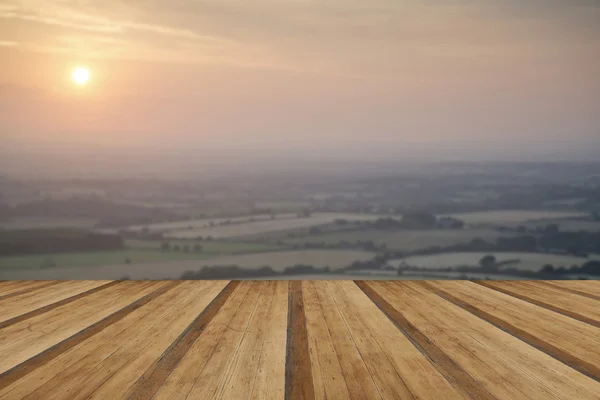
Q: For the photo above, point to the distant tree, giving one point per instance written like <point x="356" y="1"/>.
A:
<point x="521" y="229"/>
<point x="197" y="248"/>
<point x="487" y="261"/>
<point x="209" y="238"/>
<point x="186" y="248"/>
<point x="341" y="221"/>
<point x="304" y="213"/>
<point x="145" y="230"/>
<point x="551" y="228"/>
<point x="591" y="268"/>
<point x="127" y="261"/>
<point x="315" y="230"/>
<point x="418" y="220"/>
<point x="176" y="248"/>
<point x="548" y="269"/>
<point x="596" y="215"/>
<point x="165" y="246"/>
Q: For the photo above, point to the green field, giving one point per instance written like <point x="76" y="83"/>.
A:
<point x="568" y="225"/>
<point x="136" y="251"/>
<point x="527" y="261"/>
<point x="94" y="259"/>
<point x="267" y="226"/>
<point x="403" y="240"/>
<point x="46" y="223"/>
<point x="208" y="247"/>
<point x="173" y="269"/>
<point x="513" y="217"/>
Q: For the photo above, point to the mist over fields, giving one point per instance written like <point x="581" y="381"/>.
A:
<point x="337" y="220"/>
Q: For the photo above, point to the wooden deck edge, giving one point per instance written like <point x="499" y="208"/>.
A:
<point x="574" y="315"/>
<point x="33" y="289"/>
<point x="450" y="369"/>
<point x="28" y="366"/>
<point x="155" y="376"/>
<point x="52" y="306"/>
<point x="553" y="285"/>
<point x="566" y="358"/>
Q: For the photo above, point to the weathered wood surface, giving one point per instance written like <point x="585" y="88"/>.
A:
<point x="299" y="339"/>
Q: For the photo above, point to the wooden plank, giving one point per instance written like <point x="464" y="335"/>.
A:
<point x="28" y="287"/>
<point x="327" y="373"/>
<point x="269" y="381"/>
<point x="75" y="362"/>
<point x="244" y="363"/>
<point x="211" y="343"/>
<point x="357" y="370"/>
<point x="216" y="372"/>
<point x="7" y="287"/>
<point x="155" y="375"/>
<point x="30" y="304"/>
<point x="117" y="373"/>
<point x="385" y="348"/>
<point x="592" y="292"/>
<point x="545" y="330"/>
<point x="299" y="381"/>
<point x="447" y="366"/>
<point x="587" y="286"/>
<point x="34" y="336"/>
<point x="569" y="304"/>
<point x="505" y="365"/>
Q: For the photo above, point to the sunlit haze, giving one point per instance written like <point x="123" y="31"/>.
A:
<point x="345" y="78"/>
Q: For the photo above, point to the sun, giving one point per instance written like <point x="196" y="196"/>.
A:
<point x="80" y="75"/>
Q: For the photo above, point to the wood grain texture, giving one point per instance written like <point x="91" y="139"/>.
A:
<point x="299" y="340"/>
<point x="30" y="305"/>
<point x="506" y="366"/>
<point x="298" y="374"/>
<point x="541" y="328"/>
<point x="569" y="304"/>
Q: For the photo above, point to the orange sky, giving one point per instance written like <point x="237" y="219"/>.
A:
<point x="312" y="72"/>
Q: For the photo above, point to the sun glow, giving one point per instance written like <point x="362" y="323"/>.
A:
<point x="80" y="75"/>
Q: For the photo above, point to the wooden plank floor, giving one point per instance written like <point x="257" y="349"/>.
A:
<point x="299" y="340"/>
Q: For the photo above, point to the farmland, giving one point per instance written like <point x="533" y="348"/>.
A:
<point x="512" y="217"/>
<point x="401" y="240"/>
<point x="173" y="269"/>
<point x="526" y="261"/>
<point x="332" y="216"/>
<point x="92" y="259"/>
<point x="265" y="226"/>
<point x="45" y="223"/>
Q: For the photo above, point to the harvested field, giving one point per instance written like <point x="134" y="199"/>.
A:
<point x="298" y="340"/>
<point x="174" y="269"/>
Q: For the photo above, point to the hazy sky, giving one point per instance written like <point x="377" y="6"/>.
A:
<point x="315" y="74"/>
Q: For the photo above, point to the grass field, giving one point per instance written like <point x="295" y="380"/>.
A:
<point x="568" y="225"/>
<point x="265" y="226"/>
<point x="94" y="259"/>
<point x="46" y="223"/>
<point x="528" y="261"/>
<point x="173" y="269"/>
<point x="205" y="223"/>
<point x="512" y="217"/>
<point x="209" y="247"/>
<point x="405" y="240"/>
